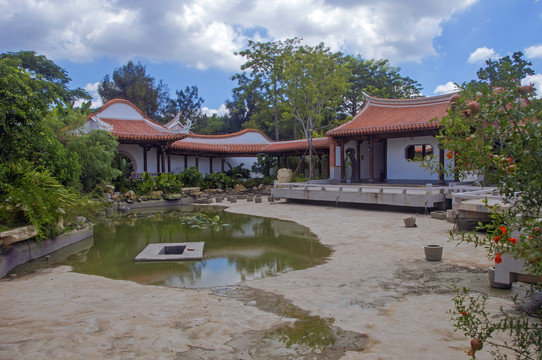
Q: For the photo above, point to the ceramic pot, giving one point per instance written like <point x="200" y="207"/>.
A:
<point x="433" y="252"/>
<point x="410" y="221"/>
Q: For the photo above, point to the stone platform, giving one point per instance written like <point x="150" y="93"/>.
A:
<point x="172" y="252"/>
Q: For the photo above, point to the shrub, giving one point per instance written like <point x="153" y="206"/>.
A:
<point x="169" y="183"/>
<point x="192" y="177"/>
<point x="238" y="172"/>
<point x="217" y="180"/>
<point x="264" y="164"/>
<point x="146" y="184"/>
<point x="34" y="197"/>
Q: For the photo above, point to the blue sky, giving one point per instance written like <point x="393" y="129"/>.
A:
<point x="191" y="42"/>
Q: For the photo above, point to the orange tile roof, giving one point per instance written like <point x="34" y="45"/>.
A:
<point x="393" y="115"/>
<point x="237" y="148"/>
<point x="302" y="144"/>
<point x="226" y="136"/>
<point x="141" y="130"/>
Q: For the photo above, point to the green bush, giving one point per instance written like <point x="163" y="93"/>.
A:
<point x="217" y="180"/>
<point x="264" y="164"/>
<point x="299" y="178"/>
<point x="146" y="184"/>
<point x="192" y="177"/>
<point x="238" y="172"/>
<point x="169" y="183"/>
<point x="29" y="196"/>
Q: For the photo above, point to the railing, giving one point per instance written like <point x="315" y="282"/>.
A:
<point x="428" y="189"/>
<point x="138" y="176"/>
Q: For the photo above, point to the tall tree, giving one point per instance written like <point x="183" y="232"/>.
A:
<point x="313" y="82"/>
<point x="131" y="82"/>
<point x="187" y="105"/>
<point x="264" y="60"/>
<point x="505" y="71"/>
<point x="377" y="78"/>
<point x="30" y="85"/>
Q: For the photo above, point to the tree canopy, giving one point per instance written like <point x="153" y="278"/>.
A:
<point x="314" y="81"/>
<point x="493" y="130"/>
<point x="131" y="82"/>
<point x="376" y="78"/>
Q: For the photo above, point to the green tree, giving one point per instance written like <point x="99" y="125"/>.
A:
<point x="187" y="105"/>
<point x="506" y="71"/>
<point x="30" y="86"/>
<point x="265" y="62"/>
<point x="131" y="82"/>
<point x="376" y="78"/>
<point x="493" y="130"/>
<point x="314" y="81"/>
<point x="96" y="151"/>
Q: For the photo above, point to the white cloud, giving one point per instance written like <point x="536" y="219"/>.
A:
<point x="221" y="111"/>
<point x="446" y="88"/>
<point x="534" y="51"/>
<point x="482" y="54"/>
<point x="92" y="89"/>
<point x="205" y="33"/>
<point x="536" y="80"/>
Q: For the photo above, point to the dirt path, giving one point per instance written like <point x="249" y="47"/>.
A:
<point x="376" y="295"/>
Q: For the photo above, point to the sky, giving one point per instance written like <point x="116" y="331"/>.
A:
<point x="192" y="42"/>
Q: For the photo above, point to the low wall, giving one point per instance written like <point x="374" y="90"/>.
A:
<point x="29" y="250"/>
<point x="186" y="200"/>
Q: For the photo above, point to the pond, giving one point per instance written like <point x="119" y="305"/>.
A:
<point x="238" y="248"/>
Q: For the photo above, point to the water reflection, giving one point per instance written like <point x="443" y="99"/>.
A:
<point x="250" y="247"/>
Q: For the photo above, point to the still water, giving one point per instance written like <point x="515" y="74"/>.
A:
<point x="248" y="247"/>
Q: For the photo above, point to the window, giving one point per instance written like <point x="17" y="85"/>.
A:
<point x="419" y="152"/>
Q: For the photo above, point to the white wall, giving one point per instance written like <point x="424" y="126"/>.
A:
<point x="399" y="168"/>
<point x="249" y="137"/>
<point x="135" y="153"/>
<point x="120" y="111"/>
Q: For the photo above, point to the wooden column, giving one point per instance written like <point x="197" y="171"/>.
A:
<point x="343" y="170"/>
<point x="319" y="164"/>
<point x="222" y="163"/>
<point x="185" y="162"/>
<point x="211" y="164"/>
<point x="441" y="161"/>
<point x="197" y="162"/>
<point x="371" y="159"/>
<point x="358" y="160"/>
<point x="168" y="161"/>
<point x="145" y="158"/>
<point x="158" y="160"/>
<point x="163" y="158"/>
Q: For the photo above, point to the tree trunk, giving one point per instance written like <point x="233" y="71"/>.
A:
<point x="276" y="113"/>
<point x="309" y="140"/>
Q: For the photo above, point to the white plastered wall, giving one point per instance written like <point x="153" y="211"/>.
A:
<point x="399" y="168"/>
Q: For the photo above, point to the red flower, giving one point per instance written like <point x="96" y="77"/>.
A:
<point x="450" y="154"/>
<point x="513" y="240"/>
<point x="503" y="229"/>
<point x="464" y="313"/>
<point x="496" y="239"/>
<point x="498" y="258"/>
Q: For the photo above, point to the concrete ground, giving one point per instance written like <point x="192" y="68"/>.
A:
<point x="383" y="298"/>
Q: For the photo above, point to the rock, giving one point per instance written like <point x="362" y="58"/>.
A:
<point x="19" y="234"/>
<point x="285" y="175"/>
<point x="240" y="188"/>
<point x="80" y="220"/>
<point x="130" y="195"/>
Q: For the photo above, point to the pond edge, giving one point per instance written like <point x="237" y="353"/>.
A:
<point x="28" y="250"/>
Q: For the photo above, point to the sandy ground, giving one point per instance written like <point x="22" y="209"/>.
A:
<point x="376" y="284"/>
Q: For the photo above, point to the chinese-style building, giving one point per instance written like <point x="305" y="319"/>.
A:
<point x="385" y="141"/>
